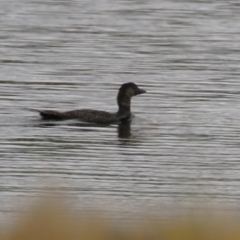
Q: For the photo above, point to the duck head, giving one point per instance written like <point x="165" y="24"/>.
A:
<point x="125" y="93"/>
<point x="130" y="89"/>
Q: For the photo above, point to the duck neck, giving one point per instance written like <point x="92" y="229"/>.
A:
<point x="124" y="105"/>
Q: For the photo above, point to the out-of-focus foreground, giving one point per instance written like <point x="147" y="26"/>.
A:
<point x="53" y="222"/>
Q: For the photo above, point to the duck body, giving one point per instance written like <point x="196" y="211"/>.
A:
<point x="125" y="93"/>
<point x="85" y="115"/>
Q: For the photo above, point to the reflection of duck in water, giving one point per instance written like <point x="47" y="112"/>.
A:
<point x="125" y="93"/>
<point x="124" y="130"/>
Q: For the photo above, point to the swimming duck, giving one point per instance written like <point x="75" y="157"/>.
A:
<point x="125" y="93"/>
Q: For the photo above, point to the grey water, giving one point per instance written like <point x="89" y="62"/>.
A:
<point x="183" y="144"/>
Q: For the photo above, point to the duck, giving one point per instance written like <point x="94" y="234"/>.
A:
<point x="125" y="93"/>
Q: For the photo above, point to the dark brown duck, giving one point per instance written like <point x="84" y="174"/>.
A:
<point x="125" y="93"/>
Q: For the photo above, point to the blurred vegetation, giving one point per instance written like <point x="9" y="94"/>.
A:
<point x="50" y="222"/>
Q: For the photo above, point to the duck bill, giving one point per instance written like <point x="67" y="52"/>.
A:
<point x="141" y="91"/>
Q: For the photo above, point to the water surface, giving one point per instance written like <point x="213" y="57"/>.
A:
<point x="183" y="145"/>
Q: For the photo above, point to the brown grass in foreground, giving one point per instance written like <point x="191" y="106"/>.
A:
<point x="53" y="223"/>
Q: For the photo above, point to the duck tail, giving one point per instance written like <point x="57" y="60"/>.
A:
<point x="47" y="114"/>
